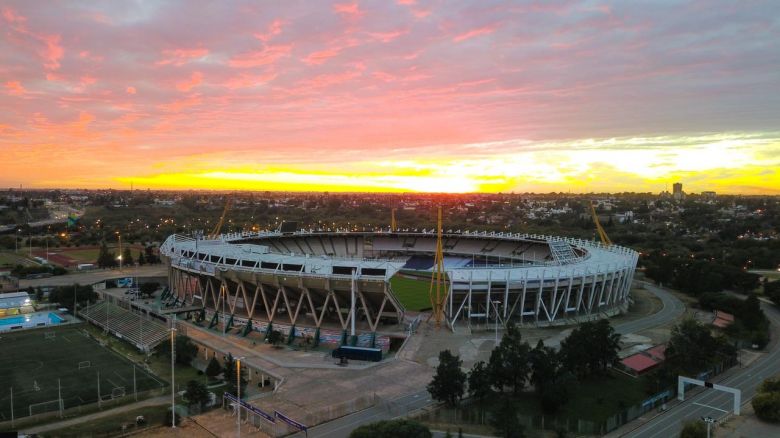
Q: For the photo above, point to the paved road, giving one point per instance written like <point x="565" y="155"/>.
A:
<point x="713" y="403"/>
<point x="672" y="309"/>
<point x="95" y="276"/>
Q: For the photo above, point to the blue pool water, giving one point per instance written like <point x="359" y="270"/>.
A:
<point x="29" y="320"/>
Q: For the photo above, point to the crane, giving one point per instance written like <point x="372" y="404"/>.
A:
<point x="218" y="227"/>
<point x="602" y="234"/>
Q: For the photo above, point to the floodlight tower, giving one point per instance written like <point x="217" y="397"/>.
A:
<point x="438" y="290"/>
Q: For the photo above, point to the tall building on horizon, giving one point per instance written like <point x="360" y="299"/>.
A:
<point x="677" y="191"/>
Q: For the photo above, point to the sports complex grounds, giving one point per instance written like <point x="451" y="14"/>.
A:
<point x="54" y="369"/>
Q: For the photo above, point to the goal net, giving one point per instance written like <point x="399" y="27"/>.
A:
<point x="50" y="335"/>
<point x="43" y="407"/>
<point x="85" y="364"/>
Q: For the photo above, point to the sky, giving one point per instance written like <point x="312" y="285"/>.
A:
<point x="391" y="96"/>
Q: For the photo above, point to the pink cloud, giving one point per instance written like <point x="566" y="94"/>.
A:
<point x="386" y="37"/>
<point x="15" y="88"/>
<point x="195" y="79"/>
<point x="179" y="57"/>
<point x="348" y="9"/>
<point x="321" y="56"/>
<point x="406" y="2"/>
<point x="48" y="46"/>
<point x="246" y="80"/>
<point x="275" y="28"/>
<point x="180" y="104"/>
<point x="474" y="33"/>
<point x="264" y="56"/>
<point x="130" y="90"/>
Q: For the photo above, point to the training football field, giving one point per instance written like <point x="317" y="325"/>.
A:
<point x="40" y="367"/>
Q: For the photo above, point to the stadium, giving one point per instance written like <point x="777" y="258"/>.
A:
<point x="306" y="279"/>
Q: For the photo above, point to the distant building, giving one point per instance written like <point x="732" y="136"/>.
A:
<point x="708" y="195"/>
<point x="677" y="191"/>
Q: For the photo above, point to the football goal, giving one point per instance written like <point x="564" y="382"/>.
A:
<point x="47" y="406"/>
<point x="85" y="364"/>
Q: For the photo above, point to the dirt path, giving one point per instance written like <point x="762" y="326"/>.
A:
<point x="161" y="400"/>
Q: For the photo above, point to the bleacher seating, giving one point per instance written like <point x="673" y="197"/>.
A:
<point x="144" y="334"/>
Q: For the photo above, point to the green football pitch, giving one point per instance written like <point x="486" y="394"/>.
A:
<point x="41" y="366"/>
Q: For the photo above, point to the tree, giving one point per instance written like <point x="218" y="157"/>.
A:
<point x="448" y="382"/>
<point x="692" y="348"/>
<point x="197" y="393"/>
<point x="479" y="381"/>
<point x="127" y="257"/>
<point x="767" y="406"/>
<point x="392" y="429"/>
<point x="694" y="429"/>
<point x="505" y="421"/>
<point x="772" y="291"/>
<point x="274" y="338"/>
<point x="213" y="369"/>
<point x="63" y="295"/>
<point x="106" y="258"/>
<point x="551" y="380"/>
<point x="230" y="378"/>
<point x="590" y="348"/>
<point x="766" y="403"/>
<point x="185" y="350"/>
<point x="508" y="364"/>
<point x="149" y="289"/>
<point x="151" y="258"/>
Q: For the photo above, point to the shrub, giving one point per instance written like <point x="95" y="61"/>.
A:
<point x="767" y="406"/>
<point x="694" y="429"/>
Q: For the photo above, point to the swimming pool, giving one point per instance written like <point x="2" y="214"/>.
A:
<point x="29" y="320"/>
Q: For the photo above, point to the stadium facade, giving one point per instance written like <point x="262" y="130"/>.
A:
<point x="309" y="278"/>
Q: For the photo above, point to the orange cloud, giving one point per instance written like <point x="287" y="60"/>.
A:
<point x="195" y="80"/>
<point x="15" y="88"/>
<point x="130" y="90"/>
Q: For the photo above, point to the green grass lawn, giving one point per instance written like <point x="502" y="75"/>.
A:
<point x="36" y="368"/>
<point x="10" y="259"/>
<point x="413" y="294"/>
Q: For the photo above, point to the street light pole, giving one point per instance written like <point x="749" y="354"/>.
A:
<point x="120" y="250"/>
<point x="238" y="395"/>
<point x="173" y="376"/>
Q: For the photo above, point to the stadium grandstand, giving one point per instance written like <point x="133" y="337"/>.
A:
<point x="125" y="324"/>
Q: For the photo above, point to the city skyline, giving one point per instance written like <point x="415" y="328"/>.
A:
<point x="391" y="96"/>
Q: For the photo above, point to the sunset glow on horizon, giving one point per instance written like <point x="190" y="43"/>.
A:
<point x="376" y="96"/>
